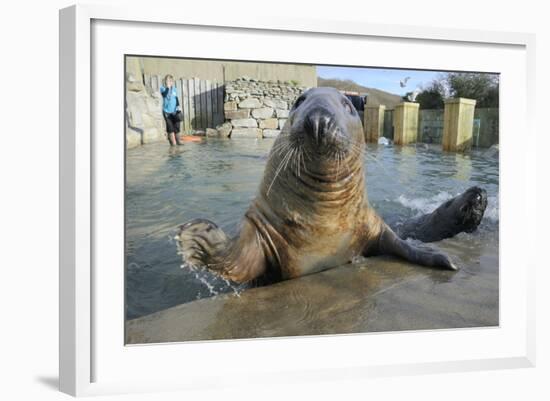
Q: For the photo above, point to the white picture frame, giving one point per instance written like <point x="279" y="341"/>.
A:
<point x="92" y="361"/>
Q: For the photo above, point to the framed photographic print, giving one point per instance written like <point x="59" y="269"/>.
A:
<point x="238" y="183"/>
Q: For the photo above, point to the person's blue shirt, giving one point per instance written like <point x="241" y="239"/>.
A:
<point x="169" y="96"/>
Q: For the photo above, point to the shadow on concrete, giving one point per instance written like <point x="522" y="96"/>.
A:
<point x="51" y="382"/>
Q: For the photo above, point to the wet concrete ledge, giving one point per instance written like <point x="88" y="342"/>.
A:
<point x="377" y="294"/>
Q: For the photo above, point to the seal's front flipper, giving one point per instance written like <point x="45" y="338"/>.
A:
<point x="244" y="259"/>
<point x="390" y="244"/>
<point x="203" y="243"/>
<point x="200" y="240"/>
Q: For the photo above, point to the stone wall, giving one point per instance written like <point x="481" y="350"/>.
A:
<point x="144" y="121"/>
<point x="257" y="109"/>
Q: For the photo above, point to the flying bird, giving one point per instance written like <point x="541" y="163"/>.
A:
<point x="403" y="83"/>
<point x="412" y="96"/>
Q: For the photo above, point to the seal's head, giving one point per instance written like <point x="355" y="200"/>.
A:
<point x="325" y="122"/>
<point x="321" y="144"/>
<point x="467" y="209"/>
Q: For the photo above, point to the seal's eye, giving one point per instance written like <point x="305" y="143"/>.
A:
<point x="299" y="101"/>
<point x="348" y="106"/>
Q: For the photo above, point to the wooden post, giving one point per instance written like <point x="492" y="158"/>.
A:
<point x="208" y="91"/>
<point x="374" y="122"/>
<point x="179" y="89"/>
<point x="191" y="94"/>
<point x="178" y="83"/>
<point x="198" y="104"/>
<point x="458" y="122"/>
<point x="214" y="96"/>
<point x="405" y="121"/>
<point x="204" y="110"/>
<point x="185" y="105"/>
<point x="221" y="88"/>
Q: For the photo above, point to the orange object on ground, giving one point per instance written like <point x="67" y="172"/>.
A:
<point x="189" y="138"/>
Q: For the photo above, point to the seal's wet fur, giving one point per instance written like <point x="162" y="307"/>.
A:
<point x="461" y="213"/>
<point x="311" y="211"/>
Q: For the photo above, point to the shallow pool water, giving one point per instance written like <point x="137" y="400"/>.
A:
<point x="217" y="179"/>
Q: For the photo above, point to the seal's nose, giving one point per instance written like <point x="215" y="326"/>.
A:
<point x="319" y="124"/>
<point x="477" y="194"/>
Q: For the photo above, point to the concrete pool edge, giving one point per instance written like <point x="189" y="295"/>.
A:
<point x="379" y="294"/>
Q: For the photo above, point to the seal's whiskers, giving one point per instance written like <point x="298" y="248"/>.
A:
<point x="338" y="161"/>
<point x="282" y="165"/>
<point x="297" y="162"/>
<point x="280" y="147"/>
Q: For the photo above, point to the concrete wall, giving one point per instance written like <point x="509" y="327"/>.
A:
<point x="458" y="120"/>
<point x="221" y="71"/>
<point x="485" y="130"/>
<point x="388" y="124"/>
<point x="430" y="126"/>
<point x="373" y="122"/>
<point x="486" y="127"/>
<point x="405" y="123"/>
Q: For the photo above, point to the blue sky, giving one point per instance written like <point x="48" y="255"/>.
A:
<point x="384" y="79"/>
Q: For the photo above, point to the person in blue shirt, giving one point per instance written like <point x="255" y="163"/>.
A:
<point x="170" y="105"/>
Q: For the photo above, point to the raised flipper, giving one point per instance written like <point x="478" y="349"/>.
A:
<point x="390" y="244"/>
<point x="242" y="259"/>
<point x="200" y="240"/>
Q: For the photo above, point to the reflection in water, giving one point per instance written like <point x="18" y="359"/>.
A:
<point x="406" y="163"/>
<point x="463" y="167"/>
<point x="217" y="179"/>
